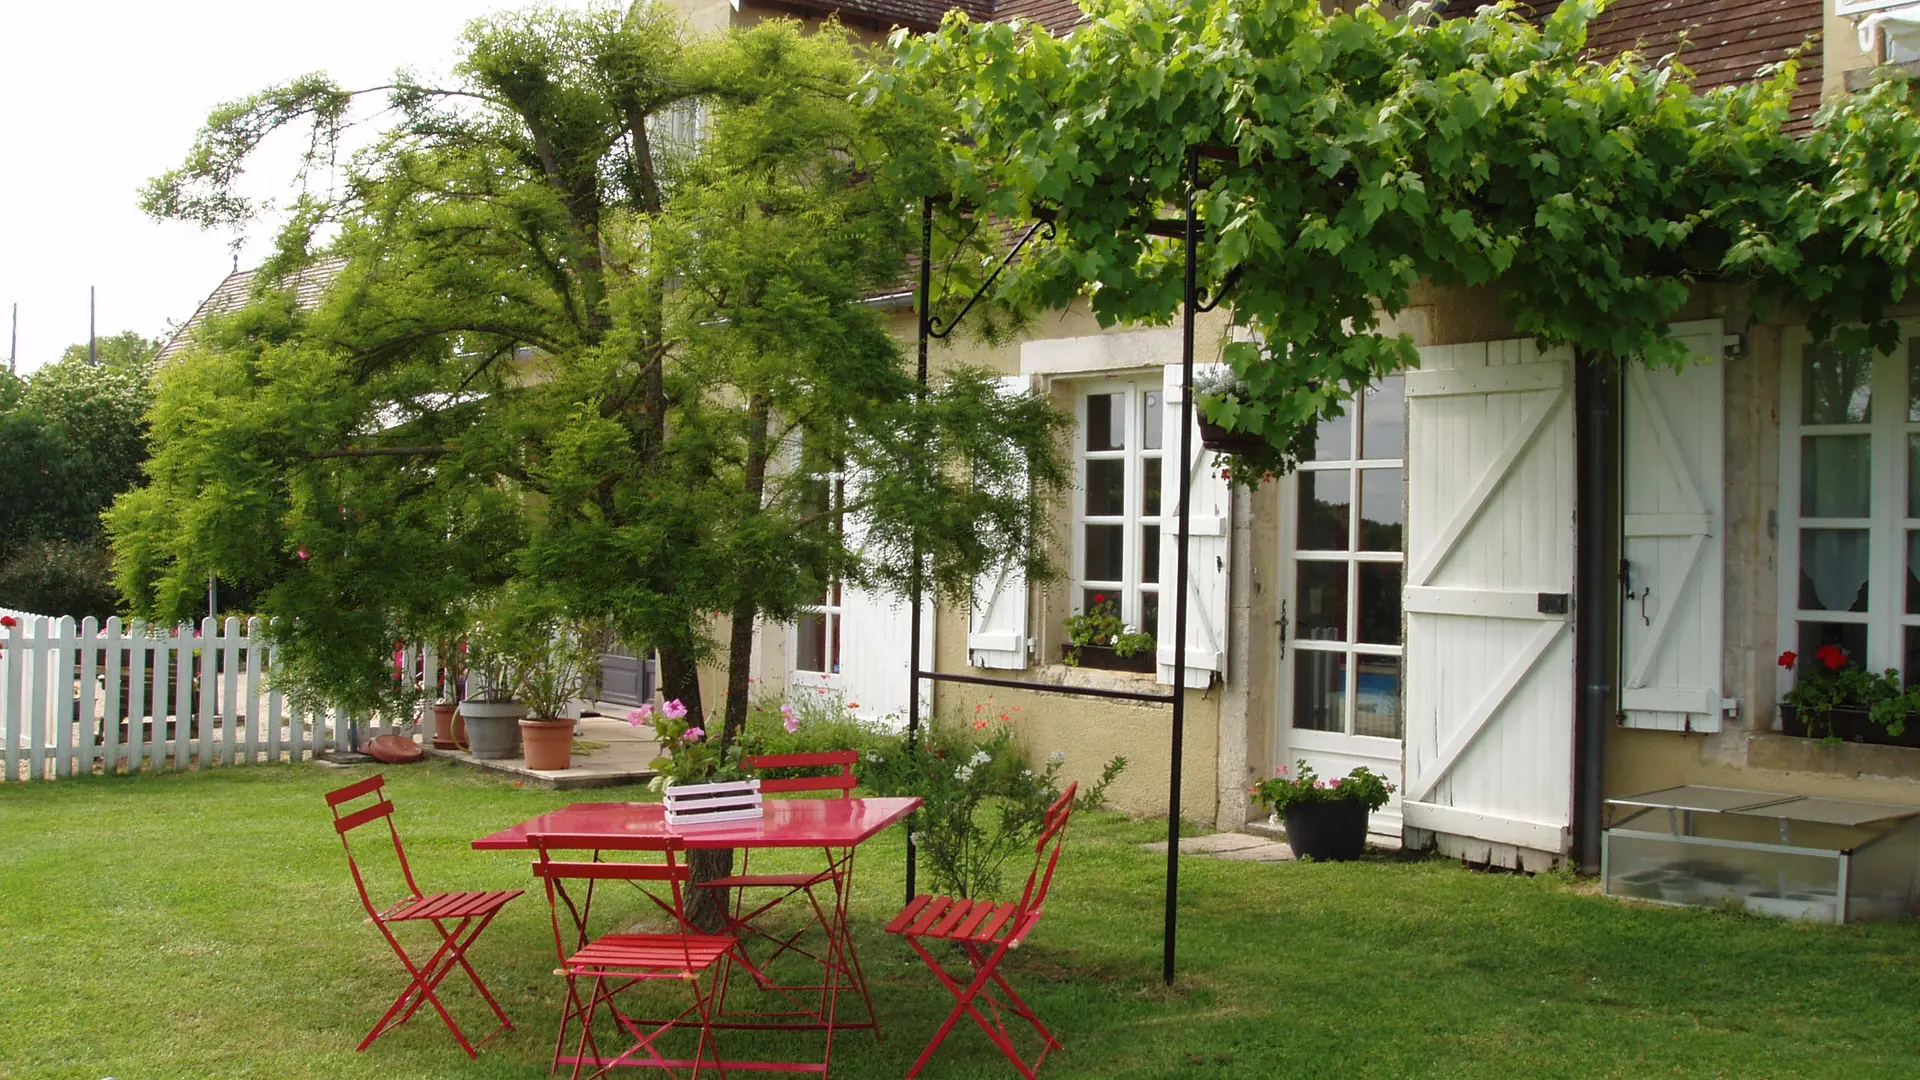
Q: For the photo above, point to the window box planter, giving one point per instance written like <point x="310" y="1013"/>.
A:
<point x="1219" y="439"/>
<point x="1103" y="658"/>
<point x="1850" y="725"/>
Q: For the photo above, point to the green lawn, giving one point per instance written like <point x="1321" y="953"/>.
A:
<point x="203" y="925"/>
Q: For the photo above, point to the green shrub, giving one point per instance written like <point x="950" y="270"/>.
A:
<point x="59" y="577"/>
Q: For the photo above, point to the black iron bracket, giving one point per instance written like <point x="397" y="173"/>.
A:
<point x="939" y="328"/>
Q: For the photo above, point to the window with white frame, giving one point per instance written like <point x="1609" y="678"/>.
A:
<point x="1116" y="551"/>
<point x="1347" y="569"/>
<point x="816" y="632"/>
<point x="1850" y="504"/>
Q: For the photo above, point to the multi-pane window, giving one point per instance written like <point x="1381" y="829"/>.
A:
<point x="1850" y="500"/>
<point x="816" y="632"/>
<point x="1346" y="646"/>
<point x="1116" y="556"/>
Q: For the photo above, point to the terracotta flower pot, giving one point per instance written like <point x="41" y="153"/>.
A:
<point x="445" y="735"/>
<point x="548" y="743"/>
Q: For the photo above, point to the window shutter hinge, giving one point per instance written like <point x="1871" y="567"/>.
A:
<point x="1730" y="707"/>
<point x="1733" y="345"/>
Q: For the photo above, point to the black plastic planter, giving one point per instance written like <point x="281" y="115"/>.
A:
<point x="1220" y="440"/>
<point x="1328" y="830"/>
<point x="1849" y="725"/>
<point x="1103" y="658"/>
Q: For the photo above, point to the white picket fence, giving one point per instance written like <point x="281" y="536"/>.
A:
<point x="75" y="700"/>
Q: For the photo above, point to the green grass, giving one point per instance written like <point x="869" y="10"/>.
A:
<point x="203" y="925"/>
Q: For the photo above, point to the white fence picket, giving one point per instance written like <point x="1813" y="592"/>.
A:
<point x="256" y="659"/>
<point x="113" y="695"/>
<point x="66" y="704"/>
<point x="180" y="661"/>
<point x="231" y="709"/>
<point x="36" y="665"/>
<point x="17" y="660"/>
<point x="86" y="747"/>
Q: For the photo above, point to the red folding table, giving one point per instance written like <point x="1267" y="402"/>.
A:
<point x="835" y="825"/>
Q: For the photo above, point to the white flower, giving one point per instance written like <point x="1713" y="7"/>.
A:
<point x="873" y="756"/>
<point x="1130" y="629"/>
<point x="914" y="837"/>
<point x="1058" y="757"/>
<point x="1026" y="772"/>
<point x="980" y="757"/>
<point x="963" y="774"/>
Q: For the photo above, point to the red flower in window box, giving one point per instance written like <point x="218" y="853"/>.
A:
<point x="1831" y="655"/>
<point x="1836" y="684"/>
<point x="1788" y="659"/>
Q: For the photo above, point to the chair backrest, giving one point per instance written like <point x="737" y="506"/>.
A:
<point x="1046" y="856"/>
<point x="842" y="781"/>
<point x="555" y="873"/>
<point x="347" y="820"/>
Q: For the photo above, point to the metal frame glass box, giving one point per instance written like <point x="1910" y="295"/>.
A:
<point x="1798" y="857"/>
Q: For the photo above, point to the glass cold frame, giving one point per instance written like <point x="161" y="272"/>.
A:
<point x="1346" y="637"/>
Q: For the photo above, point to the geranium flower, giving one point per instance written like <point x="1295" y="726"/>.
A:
<point x="694" y="735"/>
<point x="673" y="710"/>
<point x="639" y="716"/>
<point x="303" y="554"/>
<point x="788" y="720"/>
<point x="8" y="620"/>
<point x="979" y="725"/>
<point x="1788" y="659"/>
<point x="853" y="704"/>
<point x="1831" y="655"/>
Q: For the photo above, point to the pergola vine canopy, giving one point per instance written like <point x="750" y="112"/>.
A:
<point x="1345" y="157"/>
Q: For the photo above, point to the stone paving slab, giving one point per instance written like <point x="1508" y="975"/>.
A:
<point x="1238" y="847"/>
<point x="625" y="759"/>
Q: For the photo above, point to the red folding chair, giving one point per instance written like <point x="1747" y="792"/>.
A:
<point x="457" y="917"/>
<point x="986" y="932"/>
<point x="839" y="960"/>
<point x="614" y="963"/>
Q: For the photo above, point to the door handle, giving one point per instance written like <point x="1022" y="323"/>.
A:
<point x="1281" y="622"/>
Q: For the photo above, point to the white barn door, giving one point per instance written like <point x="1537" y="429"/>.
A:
<point x="1489" y="649"/>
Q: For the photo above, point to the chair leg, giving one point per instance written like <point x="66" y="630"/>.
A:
<point x="986" y="968"/>
<point x="1017" y="1004"/>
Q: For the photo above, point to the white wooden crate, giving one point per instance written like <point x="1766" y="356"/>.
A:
<point x="704" y="804"/>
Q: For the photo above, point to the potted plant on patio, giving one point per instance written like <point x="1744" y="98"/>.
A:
<point x="1325" y="819"/>
<point x="492" y="709"/>
<point x="557" y="666"/>
<point x="1099" y="639"/>
<point x="1837" y="700"/>
<point x="701" y="780"/>
<point x="449" y="728"/>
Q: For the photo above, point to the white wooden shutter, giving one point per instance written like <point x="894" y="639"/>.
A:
<point x="997" y="618"/>
<point x="1489" y="654"/>
<point x="1673" y="498"/>
<point x="876" y="635"/>
<point x="1209" y="554"/>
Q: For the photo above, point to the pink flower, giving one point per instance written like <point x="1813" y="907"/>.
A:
<point x="694" y="735"/>
<point x="1335" y="782"/>
<point x="1281" y="771"/>
<point x="640" y="715"/>
<point x="673" y="710"/>
<point x="788" y="720"/>
<point x="303" y="553"/>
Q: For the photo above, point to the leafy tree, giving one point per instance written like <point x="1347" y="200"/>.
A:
<point x="639" y="377"/>
<point x="1345" y="157"/>
<point x="128" y="349"/>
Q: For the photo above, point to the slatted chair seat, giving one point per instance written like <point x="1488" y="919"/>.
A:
<point x="947" y="919"/>
<point x="654" y="954"/>
<point x="457" y="917"/>
<point x="453" y="905"/>
<point x="985" y="932"/>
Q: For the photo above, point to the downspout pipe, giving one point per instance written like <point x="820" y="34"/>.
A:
<point x="1597" y="552"/>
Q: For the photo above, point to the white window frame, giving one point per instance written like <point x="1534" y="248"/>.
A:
<point x="1353" y="465"/>
<point x="833" y="606"/>
<point x="1886" y="619"/>
<point x="1136" y="517"/>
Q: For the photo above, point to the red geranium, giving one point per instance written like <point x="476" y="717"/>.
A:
<point x="1831" y="655"/>
<point x="1789" y="658"/>
<point x="8" y="620"/>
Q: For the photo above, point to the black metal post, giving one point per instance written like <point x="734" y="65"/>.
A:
<point x="1596" y="589"/>
<point x="913" y="634"/>
<point x="1180" y="581"/>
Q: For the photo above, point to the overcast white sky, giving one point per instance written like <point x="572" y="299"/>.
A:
<point x="97" y="97"/>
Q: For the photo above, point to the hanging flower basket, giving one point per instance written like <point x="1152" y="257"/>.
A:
<point x="1222" y="441"/>
<point x="722" y="800"/>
